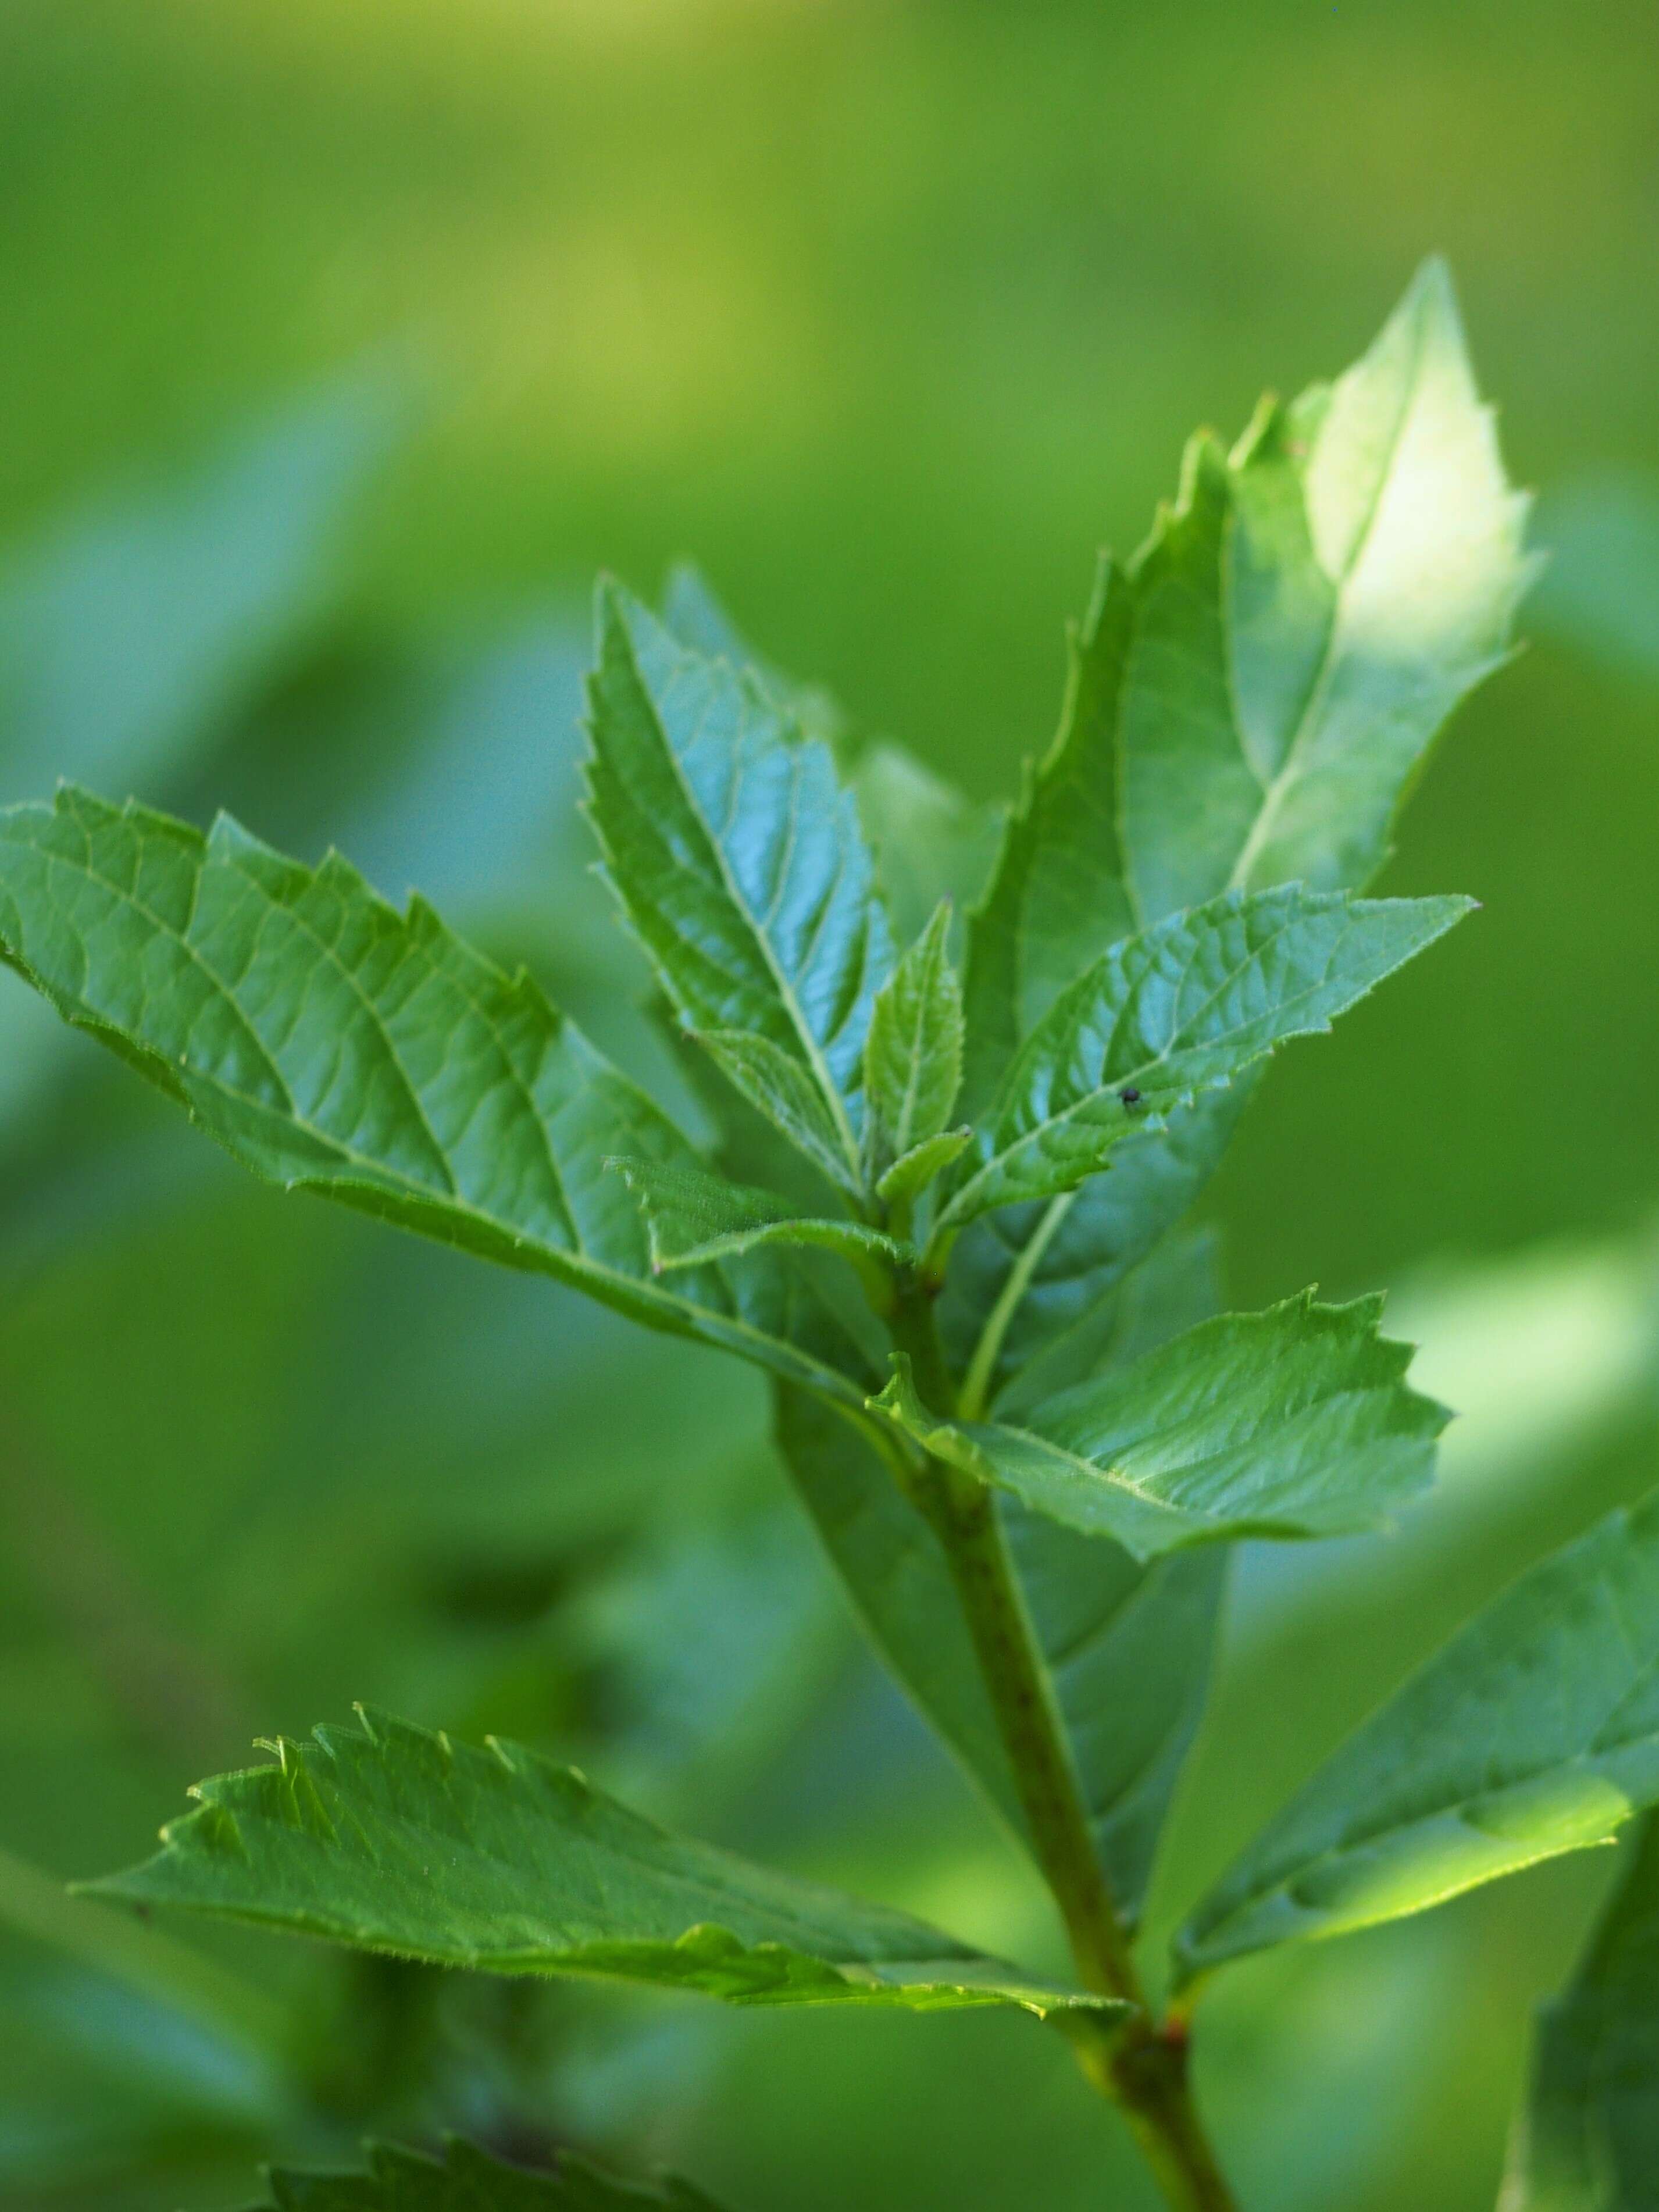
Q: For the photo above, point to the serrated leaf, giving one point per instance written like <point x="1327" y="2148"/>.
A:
<point x="1589" y="2137"/>
<point x="390" y="1839"/>
<point x="777" y="1086"/>
<point x="740" y="861"/>
<point x="692" y="1219"/>
<point x="332" y="1044"/>
<point x="467" y="2180"/>
<point x="1186" y="1007"/>
<point x="1534" y="1731"/>
<point x="912" y="1054"/>
<point x="1294" y="1422"/>
<point x="1057" y="896"/>
<point x="910" y="1174"/>
<point x="1266" y="676"/>
<point x="1308" y="616"/>
<point x="1125" y="1648"/>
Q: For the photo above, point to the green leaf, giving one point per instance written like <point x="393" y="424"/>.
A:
<point x="1057" y="896"/>
<point x="1029" y="1286"/>
<point x="779" y="1088"/>
<point x="1307" y="617"/>
<point x="692" y="1217"/>
<point x="910" y="1174"/>
<point x="390" y="1839"/>
<point x="332" y="1044"/>
<point x="1184" y="1008"/>
<point x="1294" y="1422"/>
<point x="912" y="1054"/>
<point x="466" y="2179"/>
<point x="1589" y="2137"/>
<point x="1125" y="1649"/>
<point x="739" y="860"/>
<point x="1534" y="1731"/>
<point x="1247" y="703"/>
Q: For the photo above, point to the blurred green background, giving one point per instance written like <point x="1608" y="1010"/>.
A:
<point x="343" y="345"/>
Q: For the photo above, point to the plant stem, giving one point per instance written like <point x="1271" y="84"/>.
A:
<point x="1140" y="2066"/>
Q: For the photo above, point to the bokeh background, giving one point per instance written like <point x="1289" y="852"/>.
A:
<point x="342" y="345"/>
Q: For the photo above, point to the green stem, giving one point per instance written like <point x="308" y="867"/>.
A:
<point x="1138" y="2066"/>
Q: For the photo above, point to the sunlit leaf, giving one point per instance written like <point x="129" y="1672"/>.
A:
<point x="1534" y="1731"/>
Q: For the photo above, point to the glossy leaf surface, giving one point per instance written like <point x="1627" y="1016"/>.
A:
<point x="333" y="1044"/>
<point x="737" y="858"/>
<point x="1183" y="1009"/>
<point x="1589" y="2140"/>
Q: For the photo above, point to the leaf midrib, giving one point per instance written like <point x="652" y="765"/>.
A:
<point x="1275" y="793"/>
<point x="757" y="933"/>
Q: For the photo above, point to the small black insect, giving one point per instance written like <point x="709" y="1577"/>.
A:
<point x="1131" y="1096"/>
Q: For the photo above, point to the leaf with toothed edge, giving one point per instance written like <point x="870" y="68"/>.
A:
<point x="1248" y="701"/>
<point x="330" y="1043"/>
<point x="390" y="1839"/>
<point x="737" y="859"/>
<point x="912" y="1054"/>
<point x="692" y="1217"/>
<point x="1186" y="1007"/>
<point x="1294" y="1422"/>
<point x="463" y="2179"/>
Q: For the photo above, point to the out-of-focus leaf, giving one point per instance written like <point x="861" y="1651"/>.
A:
<point x="737" y="859"/>
<point x="1534" y="1731"/>
<point x="1600" y="587"/>
<point x="127" y="635"/>
<point x="390" y="1839"/>
<point x="1185" y="1008"/>
<point x="1126" y="1648"/>
<point x="466" y="2179"/>
<point x="1588" y="2135"/>
<point x="1294" y="1422"/>
<point x="930" y="842"/>
<point x="332" y="1043"/>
